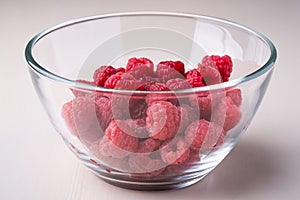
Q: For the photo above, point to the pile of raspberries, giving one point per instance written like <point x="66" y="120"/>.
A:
<point x="159" y="132"/>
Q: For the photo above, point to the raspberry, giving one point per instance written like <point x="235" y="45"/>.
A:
<point x="112" y="81"/>
<point x="67" y="115"/>
<point x="159" y="96"/>
<point x="157" y="87"/>
<point x="148" y="145"/>
<point x="121" y="138"/>
<point x="128" y="107"/>
<point x="170" y="70"/>
<point x="235" y="95"/>
<point x="148" y="80"/>
<point x="81" y="119"/>
<point x="222" y="64"/>
<point x="187" y="115"/>
<point x="102" y="74"/>
<point x="108" y="149"/>
<point x="144" y="166"/>
<point x="175" y="151"/>
<point x="178" y="84"/>
<point x="194" y="78"/>
<point x="205" y="103"/>
<point x="139" y="67"/>
<point x="194" y="157"/>
<point x="135" y="128"/>
<point x="150" y="98"/>
<point x="210" y="75"/>
<point x="137" y="108"/>
<point x="104" y="112"/>
<point x="177" y="65"/>
<point x="109" y="154"/>
<point x="128" y="82"/>
<point x="121" y="70"/>
<point x="204" y="135"/>
<point x="162" y="120"/>
<point x="78" y="92"/>
<point x="206" y="106"/>
<point x="227" y="114"/>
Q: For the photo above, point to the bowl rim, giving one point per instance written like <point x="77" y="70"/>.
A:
<point x="33" y="64"/>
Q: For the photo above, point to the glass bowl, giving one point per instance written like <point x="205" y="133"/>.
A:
<point x="147" y="139"/>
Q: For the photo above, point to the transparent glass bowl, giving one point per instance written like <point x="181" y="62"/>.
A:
<point x="71" y="51"/>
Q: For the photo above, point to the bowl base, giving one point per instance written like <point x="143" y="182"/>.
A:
<point x="186" y="178"/>
<point x="151" y="186"/>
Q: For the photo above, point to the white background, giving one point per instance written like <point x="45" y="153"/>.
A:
<point x="35" y="163"/>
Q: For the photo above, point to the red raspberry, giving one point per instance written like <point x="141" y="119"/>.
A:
<point x="162" y="120"/>
<point x="148" y="145"/>
<point x="102" y="74"/>
<point x="104" y="112"/>
<point x="177" y="65"/>
<point x="128" y="107"/>
<point x="128" y="82"/>
<point x="148" y="80"/>
<point x="121" y="70"/>
<point x="227" y="114"/>
<point x="79" y="92"/>
<point x="193" y="159"/>
<point x="160" y="96"/>
<point x="187" y="115"/>
<point x="151" y="98"/>
<point x="175" y="151"/>
<point x="204" y="102"/>
<point x="109" y="154"/>
<point x="139" y="67"/>
<point x="206" y="106"/>
<point x="210" y="75"/>
<point x="84" y="122"/>
<point x="204" y="135"/>
<point x="108" y="149"/>
<point x="135" y="128"/>
<point x="144" y="166"/>
<point x="106" y="109"/>
<point x="119" y="106"/>
<point x="157" y="87"/>
<point x="137" y="108"/>
<point x="194" y="78"/>
<point x="121" y="138"/>
<point x="170" y="70"/>
<point x="67" y="115"/>
<point x="178" y="84"/>
<point x="235" y="95"/>
<point x="222" y="64"/>
<point x="112" y="81"/>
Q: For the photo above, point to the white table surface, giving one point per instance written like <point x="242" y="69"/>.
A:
<point x="36" y="165"/>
